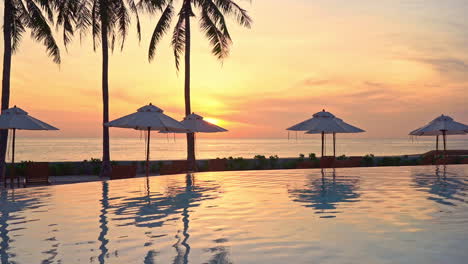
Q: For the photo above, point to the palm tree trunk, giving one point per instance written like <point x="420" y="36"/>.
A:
<point x="106" y="166"/>
<point x="7" y="21"/>
<point x="188" y="110"/>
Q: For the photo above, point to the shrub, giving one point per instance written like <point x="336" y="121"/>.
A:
<point x="274" y="161"/>
<point x="389" y="161"/>
<point x="260" y="162"/>
<point x="342" y="157"/>
<point x="368" y="160"/>
<point x="313" y="157"/>
<point x="290" y="164"/>
<point x="237" y="163"/>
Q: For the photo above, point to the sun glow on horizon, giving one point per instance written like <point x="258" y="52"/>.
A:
<point x="213" y="121"/>
<point x="406" y="68"/>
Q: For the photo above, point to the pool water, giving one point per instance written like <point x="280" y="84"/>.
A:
<point x="356" y="215"/>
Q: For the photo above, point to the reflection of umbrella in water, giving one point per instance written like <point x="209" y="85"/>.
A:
<point x="153" y="210"/>
<point x="220" y="255"/>
<point x="446" y="187"/>
<point x="10" y="205"/>
<point x="325" y="194"/>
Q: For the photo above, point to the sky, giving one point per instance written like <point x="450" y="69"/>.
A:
<point x="386" y="66"/>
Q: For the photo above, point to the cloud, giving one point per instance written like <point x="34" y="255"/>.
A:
<point x="446" y="65"/>
<point x="314" y="82"/>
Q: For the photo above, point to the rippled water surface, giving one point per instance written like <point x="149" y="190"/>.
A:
<point x="360" y="215"/>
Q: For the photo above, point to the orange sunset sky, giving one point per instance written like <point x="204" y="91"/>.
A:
<point x="387" y="66"/>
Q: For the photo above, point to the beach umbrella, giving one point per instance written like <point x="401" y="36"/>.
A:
<point x="16" y="118"/>
<point x="195" y="124"/>
<point x="325" y="123"/>
<point x="441" y="126"/>
<point x="147" y="118"/>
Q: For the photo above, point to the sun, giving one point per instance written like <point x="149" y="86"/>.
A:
<point x="212" y="120"/>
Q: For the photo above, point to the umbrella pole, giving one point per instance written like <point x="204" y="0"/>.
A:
<point x="148" y="152"/>
<point x="334" y="144"/>
<point x="437" y="144"/>
<point x="323" y="138"/>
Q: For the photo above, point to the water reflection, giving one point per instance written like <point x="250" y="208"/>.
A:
<point x="324" y="194"/>
<point x="220" y="253"/>
<point x="11" y="206"/>
<point x="103" y="223"/>
<point x="446" y="186"/>
<point x="153" y="210"/>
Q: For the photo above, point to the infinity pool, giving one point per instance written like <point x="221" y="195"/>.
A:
<point x="361" y="215"/>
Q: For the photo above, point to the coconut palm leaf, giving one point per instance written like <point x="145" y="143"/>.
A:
<point x="41" y="31"/>
<point x="161" y="28"/>
<point x="178" y="39"/>
<point x="217" y="39"/>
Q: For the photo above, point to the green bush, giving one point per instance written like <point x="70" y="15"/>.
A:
<point x="313" y="157"/>
<point x="237" y="163"/>
<point x="290" y="164"/>
<point x="301" y="157"/>
<point x="342" y="157"/>
<point x="274" y="161"/>
<point x="389" y="161"/>
<point x="368" y="160"/>
<point x="61" y="169"/>
<point x="260" y="162"/>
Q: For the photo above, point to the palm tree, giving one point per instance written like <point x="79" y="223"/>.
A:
<point x="19" y="16"/>
<point x="109" y="20"/>
<point x="212" y="23"/>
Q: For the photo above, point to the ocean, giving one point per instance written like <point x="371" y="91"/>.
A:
<point x="79" y="149"/>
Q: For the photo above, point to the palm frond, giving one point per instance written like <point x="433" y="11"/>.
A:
<point x="17" y="26"/>
<point x="216" y="16"/>
<point x="72" y="15"/>
<point x="134" y="8"/>
<point x="161" y="28"/>
<point x="95" y="22"/>
<point x="229" y="7"/>
<point x="178" y="39"/>
<point x="151" y="6"/>
<point x="217" y="39"/>
<point x="123" y="20"/>
<point x="41" y="31"/>
<point x="46" y="6"/>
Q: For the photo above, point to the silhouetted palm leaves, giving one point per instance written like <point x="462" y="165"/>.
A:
<point x="212" y="22"/>
<point x="20" y="16"/>
<point x="108" y="20"/>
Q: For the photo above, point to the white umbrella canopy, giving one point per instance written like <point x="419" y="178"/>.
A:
<point x="442" y="125"/>
<point x="335" y="125"/>
<point x="439" y="125"/>
<point x="16" y="118"/>
<point x="195" y="124"/>
<point x="325" y="123"/>
<point x="148" y="117"/>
